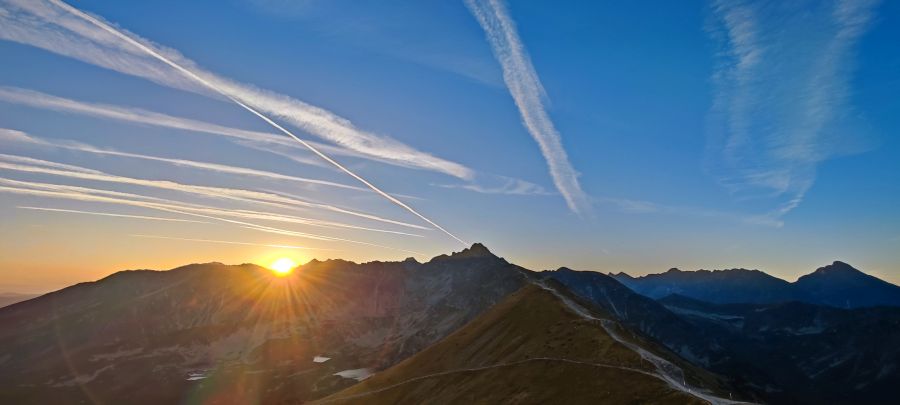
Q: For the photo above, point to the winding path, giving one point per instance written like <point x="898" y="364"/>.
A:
<point x="475" y="369"/>
<point x="666" y="371"/>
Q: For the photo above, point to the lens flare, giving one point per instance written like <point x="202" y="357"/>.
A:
<point x="283" y="266"/>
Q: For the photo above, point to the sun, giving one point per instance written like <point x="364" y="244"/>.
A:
<point x="283" y="266"/>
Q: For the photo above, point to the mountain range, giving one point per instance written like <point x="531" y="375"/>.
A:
<point x="837" y="285"/>
<point x="463" y="327"/>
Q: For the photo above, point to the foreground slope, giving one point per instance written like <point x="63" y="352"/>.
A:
<point x="531" y="348"/>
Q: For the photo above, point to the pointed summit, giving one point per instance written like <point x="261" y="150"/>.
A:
<point x="841" y="285"/>
<point x="476" y="251"/>
<point x="837" y="267"/>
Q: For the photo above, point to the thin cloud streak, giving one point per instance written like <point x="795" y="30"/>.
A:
<point x="109" y="214"/>
<point x="647" y="207"/>
<point x="772" y="123"/>
<point x="506" y="186"/>
<point x="228" y="242"/>
<point x="15" y="136"/>
<point x="44" y="163"/>
<point x="100" y="195"/>
<point x="528" y="93"/>
<point x="60" y="28"/>
<point x="338" y="129"/>
<point x="85" y="194"/>
<point x="12" y="135"/>
<point x="256" y="139"/>
<point x="247" y="196"/>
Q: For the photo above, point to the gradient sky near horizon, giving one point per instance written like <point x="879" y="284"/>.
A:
<point x="608" y="136"/>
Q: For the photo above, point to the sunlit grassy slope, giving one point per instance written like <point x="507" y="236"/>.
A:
<point x="527" y="349"/>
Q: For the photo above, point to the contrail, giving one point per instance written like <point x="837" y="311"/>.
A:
<point x="109" y="214"/>
<point x="275" y="125"/>
<point x="76" y="193"/>
<point x="527" y="92"/>
<point x="45" y="163"/>
<point x="210" y="192"/>
<point x="227" y="242"/>
<point x="268" y="198"/>
<point x="13" y="135"/>
<point x="50" y="26"/>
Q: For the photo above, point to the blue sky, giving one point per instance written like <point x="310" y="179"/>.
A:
<point x="631" y="136"/>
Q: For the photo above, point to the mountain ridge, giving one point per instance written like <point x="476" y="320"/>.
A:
<point x="238" y="332"/>
<point x="838" y="284"/>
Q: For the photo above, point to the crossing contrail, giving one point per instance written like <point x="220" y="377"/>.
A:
<point x="194" y="76"/>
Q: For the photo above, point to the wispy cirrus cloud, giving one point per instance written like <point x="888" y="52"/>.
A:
<point x="501" y="185"/>
<point x="56" y="27"/>
<point x="528" y="93"/>
<point x="648" y="207"/>
<point x="782" y="89"/>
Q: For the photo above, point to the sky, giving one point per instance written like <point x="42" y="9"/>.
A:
<point x="606" y="136"/>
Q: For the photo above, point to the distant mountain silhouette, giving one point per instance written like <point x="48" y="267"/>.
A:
<point x="839" y="285"/>
<point x="7" y="299"/>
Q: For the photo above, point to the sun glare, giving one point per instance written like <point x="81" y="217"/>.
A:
<point x="283" y="266"/>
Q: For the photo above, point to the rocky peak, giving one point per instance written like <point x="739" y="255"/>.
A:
<point x="837" y="267"/>
<point x="476" y="251"/>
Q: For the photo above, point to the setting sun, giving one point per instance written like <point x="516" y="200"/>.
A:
<point x="283" y="266"/>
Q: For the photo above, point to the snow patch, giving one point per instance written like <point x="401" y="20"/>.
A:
<point x="358" y="374"/>
<point x="197" y="375"/>
<point x="320" y="359"/>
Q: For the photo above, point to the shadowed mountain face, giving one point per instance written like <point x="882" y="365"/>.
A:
<point x="781" y="353"/>
<point x="838" y="285"/>
<point x="804" y="353"/>
<point x="212" y="331"/>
